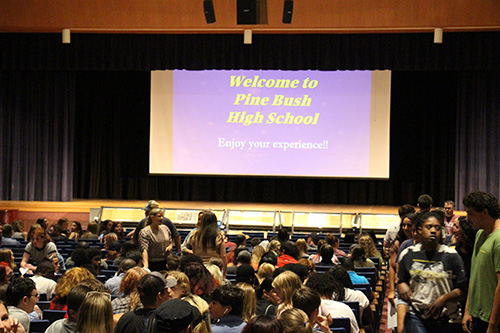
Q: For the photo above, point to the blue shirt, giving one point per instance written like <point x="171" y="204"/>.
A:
<point x="229" y="324"/>
<point x="357" y="279"/>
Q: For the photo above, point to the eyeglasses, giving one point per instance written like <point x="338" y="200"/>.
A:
<point x="105" y="294"/>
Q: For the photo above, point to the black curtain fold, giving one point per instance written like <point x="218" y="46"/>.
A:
<point x="36" y="132"/>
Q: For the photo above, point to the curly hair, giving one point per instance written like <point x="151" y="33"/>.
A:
<point x="71" y="279"/>
<point x="480" y="201"/>
<point x="366" y="242"/>
<point x="229" y="295"/>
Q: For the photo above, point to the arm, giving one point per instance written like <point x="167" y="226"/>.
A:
<point x="467" y="319"/>
<point x="405" y="292"/>
<point x="178" y="243"/>
<point x="392" y="274"/>
<point x="222" y="255"/>
<point x="437" y="306"/>
<point x="145" y="261"/>
<point x="24" y="262"/>
<point x="495" y="311"/>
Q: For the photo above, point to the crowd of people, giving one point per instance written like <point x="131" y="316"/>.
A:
<point x="442" y="275"/>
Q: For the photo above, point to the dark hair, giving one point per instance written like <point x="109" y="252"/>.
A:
<point x="76" y="297"/>
<point x="7" y="230"/>
<point x="424" y="202"/>
<point x="200" y="279"/>
<point x="62" y="221"/>
<point x="255" y="241"/>
<point x="269" y="257"/>
<point x="229" y="295"/>
<point x="17" y="289"/>
<point x="350" y="236"/>
<point x="341" y="276"/>
<point x="301" y="270"/>
<point x="189" y="258"/>
<point x="135" y="255"/>
<point x="468" y="234"/>
<point x="358" y="253"/>
<point x="348" y="264"/>
<point x="239" y="239"/>
<point x="93" y="252"/>
<point x="245" y="273"/>
<point x="40" y="220"/>
<point x="326" y="252"/>
<point x="437" y="214"/>
<point x="401" y="236"/>
<point x="289" y="248"/>
<point x="306" y="299"/>
<point x="480" y="201"/>
<point x="263" y="324"/>
<point x="283" y="235"/>
<point x="325" y="285"/>
<point x="45" y="269"/>
<point x="266" y="285"/>
<point x="173" y="262"/>
<point x="113" y="229"/>
<point x="405" y="210"/>
<point x="78" y="227"/>
<point x="449" y="202"/>
<point x="330" y="239"/>
<point x="208" y="231"/>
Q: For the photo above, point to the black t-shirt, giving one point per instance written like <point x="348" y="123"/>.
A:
<point x="264" y="308"/>
<point x="133" y="321"/>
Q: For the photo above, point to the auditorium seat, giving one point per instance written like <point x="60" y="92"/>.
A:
<point x="344" y="323"/>
<point x="39" y="326"/>
<point x="53" y="315"/>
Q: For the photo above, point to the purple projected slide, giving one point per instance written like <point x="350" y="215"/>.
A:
<point x="288" y="123"/>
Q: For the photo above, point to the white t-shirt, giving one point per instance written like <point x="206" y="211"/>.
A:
<point x="338" y="310"/>
<point x="352" y="295"/>
<point x="45" y="286"/>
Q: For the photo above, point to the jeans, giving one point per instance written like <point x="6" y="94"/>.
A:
<point x="415" y="324"/>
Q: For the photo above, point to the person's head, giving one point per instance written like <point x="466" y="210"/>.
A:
<point x="270" y="257"/>
<point x="406" y="227"/>
<point x="117" y="228"/>
<point x="301" y="270"/>
<point x="482" y="209"/>
<point x="8" y="256"/>
<point x="341" y="276"/>
<point x="125" y="265"/>
<point x="263" y="324"/>
<point x="430" y="227"/>
<point x="257" y="253"/>
<point x="301" y="246"/>
<point x="449" y="208"/>
<point x="366" y="242"/>
<point x="284" y="285"/>
<point x="98" y="313"/>
<point x="289" y="248"/>
<point x="274" y="246"/>
<point x="215" y="272"/>
<point x="75" y="299"/>
<point x="465" y="234"/>
<point x="149" y="206"/>
<point x="283" y="235"/>
<point x="265" y="270"/>
<point x="76" y="227"/>
<point x="71" y="279"/>
<point x="109" y="239"/>
<point x="175" y="315"/>
<point x="45" y="269"/>
<point x="295" y="321"/>
<point x="226" y="299"/>
<point x="330" y="239"/>
<point x="358" y="253"/>
<point x="152" y="290"/>
<point x="309" y="264"/>
<point x="240" y="240"/>
<point x="202" y="306"/>
<point x="405" y="210"/>
<point x="249" y="301"/>
<point x="155" y="216"/>
<point x="348" y="264"/>
<point x="40" y="238"/>
<point x="307" y="300"/>
<point x="17" y="226"/>
<point x="424" y="202"/>
<point x="326" y="286"/>
<point x="255" y="241"/>
<point x="54" y="260"/>
<point x="43" y="222"/>
<point x="22" y="294"/>
<point x="267" y="292"/>
<point x="92" y="227"/>
<point x="63" y="222"/>
<point x="243" y="257"/>
<point x="131" y="279"/>
<point x="95" y="256"/>
<point x="245" y="273"/>
<point x="181" y="288"/>
<point x="5" y="320"/>
<point x="135" y="255"/>
<point x="326" y="252"/>
<point x="202" y="282"/>
<point x="7" y="230"/>
<point x="313" y="238"/>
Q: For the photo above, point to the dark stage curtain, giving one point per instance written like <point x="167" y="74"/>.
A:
<point x="478" y="134"/>
<point x="36" y="134"/>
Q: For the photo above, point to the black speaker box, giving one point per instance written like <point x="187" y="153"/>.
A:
<point x="246" y="11"/>
<point x="288" y="11"/>
<point x="208" y="8"/>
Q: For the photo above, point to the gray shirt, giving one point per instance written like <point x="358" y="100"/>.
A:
<point x="20" y="315"/>
<point x="61" y="326"/>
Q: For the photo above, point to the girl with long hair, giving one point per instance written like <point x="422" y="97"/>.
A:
<point x="75" y="230"/>
<point x="285" y="285"/>
<point x="249" y="301"/>
<point x="366" y="242"/>
<point x="96" y="314"/>
<point x="128" y="288"/>
<point x="208" y="241"/>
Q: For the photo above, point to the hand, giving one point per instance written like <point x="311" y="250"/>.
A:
<point x="467" y="322"/>
<point x="405" y="292"/>
<point x="391" y="296"/>
<point x="188" y="251"/>
<point x="322" y="323"/>
<point x="169" y="248"/>
<point x="15" y="326"/>
<point x="436" y="307"/>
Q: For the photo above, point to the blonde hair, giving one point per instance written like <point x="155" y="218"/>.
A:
<point x="71" y="279"/>
<point x="152" y="212"/>
<point x="257" y="253"/>
<point x="301" y="245"/>
<point x="295" y="321"/>
<point x="98" y="314"/>
<point x="366" y="242"/>
<point x="215" y="272"/>
<point x="6" y="256"/>
<point x="108" y="239"/>
<point x="202" y="306"/>
<point x="288" y="282"/>
<point x="274" y="245"/>
<point x="182" y="281"/>
<point x="249" y="301"/>
<point x="265" y="270"/>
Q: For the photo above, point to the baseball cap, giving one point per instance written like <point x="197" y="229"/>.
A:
<point x="153" y="283"/>
<point x="150" y="205"/>
<point x="176" y="315"/>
